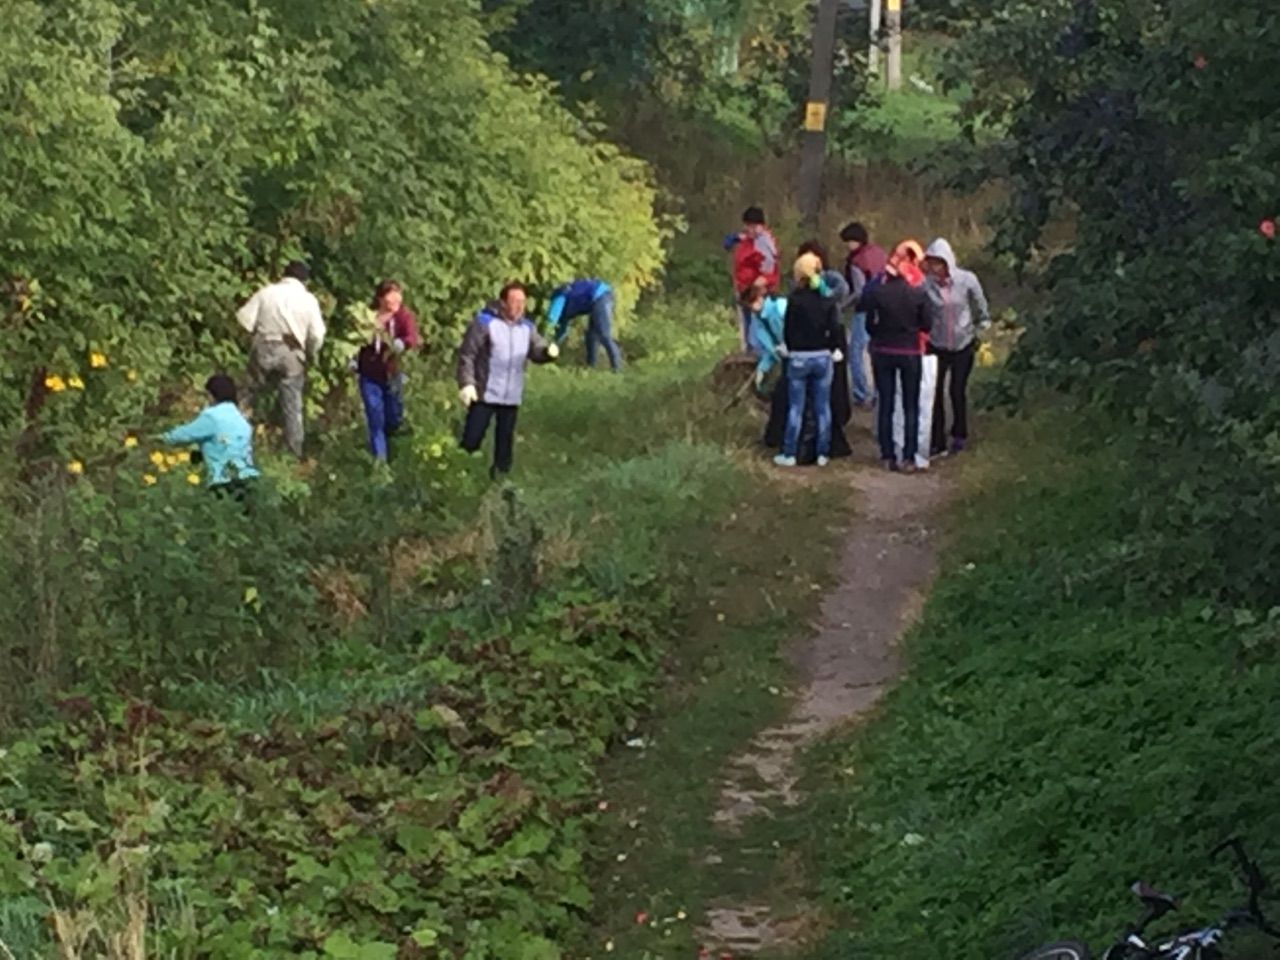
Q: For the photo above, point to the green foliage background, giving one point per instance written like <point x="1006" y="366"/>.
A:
<point x="161" y="160"/>
<point x="1138" y="140"/>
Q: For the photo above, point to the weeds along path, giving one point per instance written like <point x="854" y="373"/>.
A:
<point x="803" y="597"/>
<point x="843" y="666"/>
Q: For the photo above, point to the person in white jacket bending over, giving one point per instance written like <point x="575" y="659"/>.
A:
<point x="288" y="331"/>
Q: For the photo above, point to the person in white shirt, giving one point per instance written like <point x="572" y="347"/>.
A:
<point x="287" y="329"/>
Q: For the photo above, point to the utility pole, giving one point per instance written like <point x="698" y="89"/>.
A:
<point x="873" y="30"/>
<point x="893" y="25"/>
<point x="814" y="149"/>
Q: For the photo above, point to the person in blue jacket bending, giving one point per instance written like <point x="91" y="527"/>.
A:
<point x="593" y="299"/>
<point x="225" y="439"/>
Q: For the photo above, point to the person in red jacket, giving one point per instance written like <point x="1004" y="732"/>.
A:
<point x="395" y="330"/>
<point x="755" y="261"/>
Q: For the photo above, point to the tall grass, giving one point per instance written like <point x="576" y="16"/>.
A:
<point x="1059" y="733"/>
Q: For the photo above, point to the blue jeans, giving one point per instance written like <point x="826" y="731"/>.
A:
<point x="744" y="330"/>
<point x="808" y="381"/>
<point x="383" y="412"/>
<point x="600" y="333"/>
<point x="859" y="339"/>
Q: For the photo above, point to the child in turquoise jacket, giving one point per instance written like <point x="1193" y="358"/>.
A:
<point x="224" y="436"/>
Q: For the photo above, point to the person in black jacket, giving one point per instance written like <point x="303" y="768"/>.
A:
<point x="835" y="287"/>
<point x="898" y="324"/>
<point x="813" y="337"/>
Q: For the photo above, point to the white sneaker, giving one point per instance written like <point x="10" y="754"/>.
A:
<point x="783" y="460"/>
<point x="823" y="461"/>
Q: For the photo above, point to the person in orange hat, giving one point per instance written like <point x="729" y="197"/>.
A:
<point x="897" y="317"/>
<point x="910" y="262"/>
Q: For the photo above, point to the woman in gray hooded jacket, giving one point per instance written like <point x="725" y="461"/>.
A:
<point x="958" y="311"/>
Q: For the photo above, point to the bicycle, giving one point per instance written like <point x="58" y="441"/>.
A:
<point x="1202" y="944"/>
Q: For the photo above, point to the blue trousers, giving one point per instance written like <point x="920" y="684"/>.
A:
<point x="809" y="378"/>
<point x="859" y="340"/>
<point x="383" y="412"/>
<point x="600" y="333"/>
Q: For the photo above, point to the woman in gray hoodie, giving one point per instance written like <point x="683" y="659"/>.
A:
<point x="958" y="311"/>
<point x="491" y="361"/>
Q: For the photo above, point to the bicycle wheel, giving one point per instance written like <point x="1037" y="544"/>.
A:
<point x="1064" y="950"/>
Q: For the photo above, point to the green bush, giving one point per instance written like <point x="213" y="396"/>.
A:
<point x="162" y="162"/>
<point x="442" y="804"/>
<point x="1133" y="126"/>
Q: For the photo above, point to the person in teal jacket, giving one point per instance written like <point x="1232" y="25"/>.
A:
<point x="591" y="298"/>
<point x="767" y="311"/>
<point x="224" y="436"/>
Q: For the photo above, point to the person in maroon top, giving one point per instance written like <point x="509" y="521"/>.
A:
<point x="395" y="331"/>
<point x="864" y="265"/>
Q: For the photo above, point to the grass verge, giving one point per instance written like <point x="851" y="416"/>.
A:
<point x="1057" y="736"/>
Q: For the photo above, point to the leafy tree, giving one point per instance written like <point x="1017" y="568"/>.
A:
<point x="160" y="162"/>
<point x="740" y="67"/>
<point x="1143" y="125"/>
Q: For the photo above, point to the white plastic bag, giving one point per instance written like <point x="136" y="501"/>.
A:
<point x="928" y="385"/>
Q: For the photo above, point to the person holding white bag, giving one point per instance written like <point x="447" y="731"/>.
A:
<point x="928" y="387"/>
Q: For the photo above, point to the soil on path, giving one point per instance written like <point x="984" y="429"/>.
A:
<point x="844" y="667"/>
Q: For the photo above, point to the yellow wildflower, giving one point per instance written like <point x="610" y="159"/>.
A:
<point x="148" y="480"/>
<point x="193" y="479"/>
<point x="54" y="383"/>
<point x="183" y="456"/>
<point x="130" y="441"/>
<point x="131" y="376"/>
<point x="75" y="383"/>
<point x="172" y="460"/>
<point x="157" y="458"/>
<point x="97" y="360"/>
<point x="75" y="468"/>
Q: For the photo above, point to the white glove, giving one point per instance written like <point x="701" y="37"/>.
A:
<point x="782" y="351"/>
<point x="553" y="351"/>
<point x="759" y="378"/>
<point x="837" y="356"/>
<point x="397" y="345"/>
<point x="468" y="395"/>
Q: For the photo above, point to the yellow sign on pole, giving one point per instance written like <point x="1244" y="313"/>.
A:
<point x="815" y="116"/>
<point x="894" y="6"/>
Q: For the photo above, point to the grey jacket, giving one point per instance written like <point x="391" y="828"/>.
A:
<point x="958" y="308"/>
<point x="493" y="356"/>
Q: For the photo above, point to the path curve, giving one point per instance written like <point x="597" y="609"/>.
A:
<point x="887" y="563"/>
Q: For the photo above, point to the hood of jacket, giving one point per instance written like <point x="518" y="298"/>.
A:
<point x="940" y="249"/>
<point x="958" y="308"/>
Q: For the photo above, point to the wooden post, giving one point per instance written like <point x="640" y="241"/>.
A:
<point x="814" y="148"/>
<point x="873" y="32"/>
<point x="893" y="26"/>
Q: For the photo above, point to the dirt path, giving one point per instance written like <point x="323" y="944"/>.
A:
<point x="844" y="666"/>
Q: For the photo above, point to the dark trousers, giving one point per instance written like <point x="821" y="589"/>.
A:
<point x="887" y="368"/>
<point x="504" y="438"/>
<point x="241" y="491"/>
<point x="954" y="367"/>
